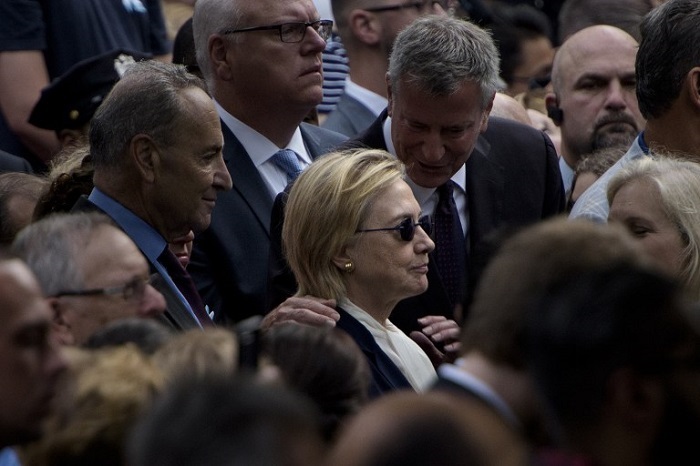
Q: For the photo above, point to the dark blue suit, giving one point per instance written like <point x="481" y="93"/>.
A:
<point x="230" y="260"/>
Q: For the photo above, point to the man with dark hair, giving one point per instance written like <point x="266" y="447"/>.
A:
<point x="612" y="353"/>
<point x="668" y="93"/>
<point x="156" y="147"/>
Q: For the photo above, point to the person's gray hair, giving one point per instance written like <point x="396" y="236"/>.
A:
<point x="51" y="248"/>
<point x="667" y="52"/>
<point x="147" y="100"/>
<point x="212" y="17"/>
<point x="439" y="54"/>
<point x="677" y="179"/>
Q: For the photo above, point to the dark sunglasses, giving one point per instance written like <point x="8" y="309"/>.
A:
<point x="407" y="229"/>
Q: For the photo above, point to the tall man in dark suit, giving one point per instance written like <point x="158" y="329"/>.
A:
<point x="441" y="83"/>
<point x="156" y="145"/>
<point x="262" y="62"/>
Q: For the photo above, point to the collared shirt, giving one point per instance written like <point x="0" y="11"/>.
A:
<point x="147" y="239"/>
<point x="454" y="373"/>
<point x="260" y="150"/>
<point x="404" y="352"/>
<point x="567" y="175"/>
<point x="593" y="203"/>
<point x="374" y="102"/>
<point x="428" y="197"/>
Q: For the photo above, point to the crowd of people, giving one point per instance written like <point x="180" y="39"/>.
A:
<point x="349" y="232"/>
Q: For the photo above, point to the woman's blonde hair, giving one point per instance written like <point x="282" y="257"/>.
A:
<point x="327" y="203"/>
<point x="678" y="183"/>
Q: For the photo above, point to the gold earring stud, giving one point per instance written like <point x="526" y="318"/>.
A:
<point x="349" y="267"/>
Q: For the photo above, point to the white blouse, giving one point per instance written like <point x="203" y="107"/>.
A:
<point x="404" y="352"/>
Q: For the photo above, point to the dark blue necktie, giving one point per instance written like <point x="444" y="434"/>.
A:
<point x="450" y="247"/>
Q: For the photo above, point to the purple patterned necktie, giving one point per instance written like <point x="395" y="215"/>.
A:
<point x="184" y="283"/>
<point x="450" y="247"/>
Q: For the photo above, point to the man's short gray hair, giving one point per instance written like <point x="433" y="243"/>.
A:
<point x="147" y="100"/>
<point x="440" y="54"/>
<point x="52" y="246"/>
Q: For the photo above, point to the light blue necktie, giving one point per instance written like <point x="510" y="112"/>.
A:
<point x="288" y="161"/>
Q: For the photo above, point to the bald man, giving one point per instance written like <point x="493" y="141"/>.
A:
<point x="594" y="101"/>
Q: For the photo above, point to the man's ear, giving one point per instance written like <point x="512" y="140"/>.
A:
<point x="693" y="78"/>
<point x="555" y="113"/>
<point x="486" y="113"/>
<point x="146" y="156"/>
<point x="365" y="27"/>
<point x="60" y="321"/>
<point x="218" y="50"/>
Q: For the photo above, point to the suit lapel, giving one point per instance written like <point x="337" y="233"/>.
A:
<point x="485" y="185"/>
<point x="372" y="137"/>
<point x="247" y="181"/>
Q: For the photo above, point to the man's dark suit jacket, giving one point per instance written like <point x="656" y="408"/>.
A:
<point x="176" y="314"/>
<point x="229" y="261"/>
<point x="12" y="163"/>
<point x="513" y="180"/>
<point x="386" y="377"/>
<point x="350" y="117"/>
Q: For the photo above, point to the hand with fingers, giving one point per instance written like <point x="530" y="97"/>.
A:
<point x="307" y="310"/>
<point x="438" y="331"/>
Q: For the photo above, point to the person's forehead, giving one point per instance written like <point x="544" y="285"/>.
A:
<point x="110" y="246"/>
<point x="585" y="56"/>
<point x="420" y="104"/>
<point x="21" y="301"/>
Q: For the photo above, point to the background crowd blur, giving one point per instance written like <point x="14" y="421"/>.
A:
<point x="349" y="232"/>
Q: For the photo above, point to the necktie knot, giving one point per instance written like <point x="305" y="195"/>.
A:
<point x="445" y="197"/>
<point x="288" y="161"/>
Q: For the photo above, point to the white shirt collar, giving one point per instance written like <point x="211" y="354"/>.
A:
<point x="258" y="147"/>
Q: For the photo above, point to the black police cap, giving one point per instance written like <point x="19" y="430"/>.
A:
<point x="71" y="100"/>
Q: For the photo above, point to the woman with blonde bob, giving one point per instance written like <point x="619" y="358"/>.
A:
<point x="658" y="200"/>
<point x="353" y="232"/>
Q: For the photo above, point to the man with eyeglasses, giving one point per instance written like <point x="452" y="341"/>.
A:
<point x="367" y="29"/>
<point x="91" y="272"/>
<point x="594" y="100"/>
<point x="262" y="63"/>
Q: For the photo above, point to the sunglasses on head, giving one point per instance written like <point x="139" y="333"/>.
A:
<point x="407" y="228"/>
